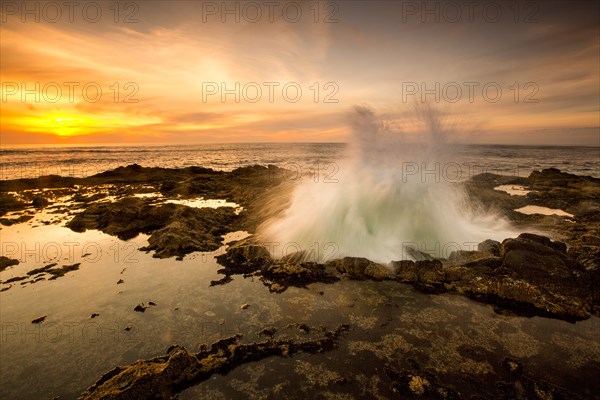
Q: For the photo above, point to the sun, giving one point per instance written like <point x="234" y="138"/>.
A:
<point x="68" y="126"/>
<point x="64" y="125"/>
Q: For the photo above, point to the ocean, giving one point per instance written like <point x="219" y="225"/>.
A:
<point x="82" y="161"/>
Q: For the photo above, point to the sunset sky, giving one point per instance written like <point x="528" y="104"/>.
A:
<point x="168" y="61"/>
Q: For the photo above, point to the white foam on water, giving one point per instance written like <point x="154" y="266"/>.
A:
<point x="380" y="207"/>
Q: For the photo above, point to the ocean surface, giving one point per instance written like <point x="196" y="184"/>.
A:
<point x="82" y="161"/>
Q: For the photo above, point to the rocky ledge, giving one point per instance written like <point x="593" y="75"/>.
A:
<point x="528" y="275"/>
<point x="163" y="377"/>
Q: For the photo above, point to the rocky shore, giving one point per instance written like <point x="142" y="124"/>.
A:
<point x="552" y="271"/>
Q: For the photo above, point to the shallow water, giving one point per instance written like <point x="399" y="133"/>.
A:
<point x="390" y="324"/>
<point x="529" y="210"/>
<point x="513" y="190"/>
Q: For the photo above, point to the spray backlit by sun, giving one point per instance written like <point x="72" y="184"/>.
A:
<point x="391" y="198"/>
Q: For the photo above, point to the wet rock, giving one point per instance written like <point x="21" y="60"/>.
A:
<point x="534" y="276"/>
<point x="6" y="262"/>
<point x="120" y="281"/>
<point x="277" y="288"/>
<point x="175" y="230"/>
<point x="279" y="276"/>
<point x="244" y="259"/>
<point x="18" y="220"/>
<point x="94" y="315"/>
<point x="464" y="256"/>
<point x="39" y="201"/>
<point x="226" y="279"/>
<point x="543" y="240"/>
<point x="140" y="307"/>
<point x="490" y="247"/>
<point x="10" y="203"/>
<point x="404" y="270"/>
<point x="58" y="272"/>
<point x="540" y="261"/>
<point x="430" y="276"/>
<point x="361" y="268"/>
<point x="39" y="320"/>
<point x="15" y="279"/>
<point x="168" y="186"/>
<point x="43" y="269"/>
<point x="268" y="331"/>
<point x="163" y="377"/>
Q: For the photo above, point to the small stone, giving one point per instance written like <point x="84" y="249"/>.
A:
<point x="128" y="328"/>
<point x="94" y="315"/>
<point x="277" y="288"/>
<point x="244" y="306"/>
<point x="268" y="331"/>
<point x="151" y="303"/>
<point x="140" y="308"/>
<point x="120" y="281"/>
<point x="39" y="320"/>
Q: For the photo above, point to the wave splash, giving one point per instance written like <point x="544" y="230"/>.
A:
<point x="392" y="200"/>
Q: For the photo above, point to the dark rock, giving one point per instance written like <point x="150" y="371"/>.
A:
<point x="405" y="270"/>
<point x="268" y="331"/>
<point x="10" y="203"/>
<point x="6" y="262"/>
<point x="43" y="269"/>
<point x="464" y="256"/>
<point x="58" y="272"/>
<point x="15" y="279"/>
<point x="539" y="261"/>
<point x="39" y="201"/>
<point x="175" y="230"/>
<point x="39" y="320"/>
<point x="18" y="220"/>
<point x="226" y="279"/>
<point x="559" y="246"/>
<point x="361" y="268"/>
<point x="163" y="377"/>
<point x="430" y="276"/>
<point x="244" y="259"/>
<point x="279" y="276"/>
<point x="489" y="246"/>
<point x="140" y="307"/>
<point x="94" y="315"/>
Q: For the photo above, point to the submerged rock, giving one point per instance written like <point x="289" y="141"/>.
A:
<point x="163" y="377"/>
<point x="39" y="320"/>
